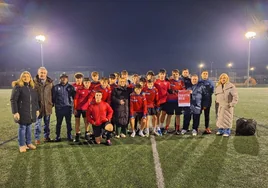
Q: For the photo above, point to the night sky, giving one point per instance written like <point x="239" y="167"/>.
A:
<point x="136" y="35"/>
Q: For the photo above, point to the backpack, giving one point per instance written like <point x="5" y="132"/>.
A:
<point x="245" y="127"/>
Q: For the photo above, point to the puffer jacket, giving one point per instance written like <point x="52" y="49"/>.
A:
<point x="121" y="112"/>
<point x="227" y="98"/>
<point x="198" y="92"/>
<point x="44" y="91"/>
<point x="63" y="95"/>
<point x="209" y="87"/>
<point x="24" y="100"/>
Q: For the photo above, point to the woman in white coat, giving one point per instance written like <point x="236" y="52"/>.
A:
<point x="227" y="97"/>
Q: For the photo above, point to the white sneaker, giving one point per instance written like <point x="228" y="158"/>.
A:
<point x="117" y="136"/>
<point x="141" y="134"/>
<point x="147" y="135"/>
<point x="183" y="131"/>
<point x="133" y="134"/>
<point x="123" y="135"/>
<point x="194" y="132"/>
<point x="156" y="133"/>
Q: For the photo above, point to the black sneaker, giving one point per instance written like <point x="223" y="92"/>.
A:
<point x="47" y="139"/>
<point x="87" y="136"/>
<point x="57" y="139"/>
<point x="69" y="138"/>
<point x="164" y="132"/>
<point x="77" y="138"/>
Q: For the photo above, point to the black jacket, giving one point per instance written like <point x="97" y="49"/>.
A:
<point x="187" y="82"/>
<point x="24" y="100"/>
<point x="63" y="95"/>
<point x="121" y="112"/>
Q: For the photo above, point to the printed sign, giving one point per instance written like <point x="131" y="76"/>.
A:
<point x="184" y="98"/>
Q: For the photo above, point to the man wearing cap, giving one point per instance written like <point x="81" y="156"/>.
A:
<point x="43" y="86"/>
<point x="112" y="82"/>
<point x="78" y="80"/>
<point x="63" y="97"/>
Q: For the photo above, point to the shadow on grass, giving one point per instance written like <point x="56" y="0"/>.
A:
<point x="246" y="145"/>
<point x="206" y="170"/>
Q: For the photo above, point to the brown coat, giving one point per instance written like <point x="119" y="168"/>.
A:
<point x="45" y="95"/>
<point x="227" y="97"/>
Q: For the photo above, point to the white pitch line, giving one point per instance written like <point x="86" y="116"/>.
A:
<point x="157" y="165"/>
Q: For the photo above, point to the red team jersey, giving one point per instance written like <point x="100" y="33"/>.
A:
<point x="106" y="93"/>
<point x="98" y="113"/>
<point x="162" y="86"/>
<point x="94" y="84"/>
<point x="78" y="86"/>
<point x="151" y="97"/>
<point x="138" y="103"/>
<point x="175" y="86"/>
<point x="81" y="99"/>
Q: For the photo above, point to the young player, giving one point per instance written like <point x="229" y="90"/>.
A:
<point x="138" y="108"/>
<point x="135" y="80"/>
<point x="95" y="79"/>
<point x="78" y="80"/>
<point x="150" y="75"/>
<point x="104" y="89"/>
<point x="162" y="86"/>
<point x="176" y="84"/>
<point x="124" y="74"/>
<point x="207" y="100"/>
<point x="112" y="82"/>
<point x="151" y="95"/>
<point x="81" y="102"/>
<point x="99" y="114"/>
<point x="143" y="82"/>
<point x="195" y="109"/>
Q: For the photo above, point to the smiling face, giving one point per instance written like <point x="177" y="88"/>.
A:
<point x="104" y="83"/>
<point x="42" y="74"/>
<point x="122" y="82"/>
<point x="175" y="75"/>
<point x="194" y="80"/>
<point x="204" y="75"/>
<point x="162" y="76"/>
<point x="87" y="84"/>
<point x="98" y="96"/>
<point x="223" y="79"/>
<point x="79" y="81"/>
<point x="26" y="78"/>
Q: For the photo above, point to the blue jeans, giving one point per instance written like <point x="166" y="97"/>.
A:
<point x="38" y="127"/>
<point x="24" y="134"/>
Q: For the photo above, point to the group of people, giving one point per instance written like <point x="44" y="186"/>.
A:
<point x="109" y="105"/>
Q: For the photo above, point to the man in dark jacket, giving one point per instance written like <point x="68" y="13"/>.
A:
<point x="195" y="109"/>
<point x="63" y="97"/>
<point x="43" y="86"/>
<point x="120" y="104"/>
<point x="207" y="100"/>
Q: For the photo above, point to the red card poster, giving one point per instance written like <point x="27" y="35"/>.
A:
<point x="184" y="98"/>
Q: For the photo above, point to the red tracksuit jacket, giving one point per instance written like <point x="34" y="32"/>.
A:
<point x="93" y="85"/>
<point x="175" y="86"/>
<point x="98" y="113"/>
<point x="76" y="86"/>
<point x="106" y="93"/>
<point x="162" y="86"/>
<point x="81" y="99"/>
<point x="137" y="104"/>
<point x="151" y="97"/>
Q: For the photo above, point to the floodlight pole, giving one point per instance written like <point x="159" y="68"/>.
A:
<point x="41" y="52"/>
<point x="249" y="43"/>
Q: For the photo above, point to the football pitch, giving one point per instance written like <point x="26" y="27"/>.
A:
<point x="186" y="161"/>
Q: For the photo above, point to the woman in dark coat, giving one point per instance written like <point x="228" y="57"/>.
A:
<point x="24" y="104"/>
<point x="120" y="104"/>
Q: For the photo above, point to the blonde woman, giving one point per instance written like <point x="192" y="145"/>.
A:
<point x="24" y="104"/>
<point x="227" y="97"/>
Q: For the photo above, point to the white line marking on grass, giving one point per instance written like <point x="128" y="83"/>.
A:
<point x="157" y="165"/>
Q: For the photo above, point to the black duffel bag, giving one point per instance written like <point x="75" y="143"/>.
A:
<point x="245" y="127"/>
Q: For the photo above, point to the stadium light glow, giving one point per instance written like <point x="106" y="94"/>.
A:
<point x="250" y="35"/>
<point x="201" y="65"/>
<point x="40" y="38"/>
<point x="230" y="65"/>
<point x="252" y="68"/>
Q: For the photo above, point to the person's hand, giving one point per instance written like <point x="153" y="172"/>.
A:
<point x="75" y="112"/>
<point x="37" y="113"/>
<point x="17" y="116"/>
<point x="122" y="102"/>
<point x="204" y="108"/>
<point x="191" y="91"/>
